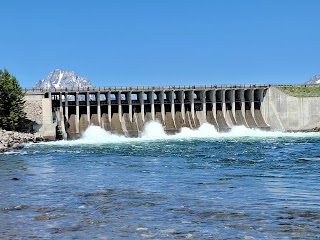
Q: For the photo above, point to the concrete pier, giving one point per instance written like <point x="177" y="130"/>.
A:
<point x="126" y="110"/>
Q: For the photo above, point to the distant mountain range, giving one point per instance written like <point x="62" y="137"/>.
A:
<point x="314" y="80"/>
<point x="63" y="79"/>
<point x="68" y="79"/>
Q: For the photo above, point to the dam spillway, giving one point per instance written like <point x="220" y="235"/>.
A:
<point x="125" y="110"/>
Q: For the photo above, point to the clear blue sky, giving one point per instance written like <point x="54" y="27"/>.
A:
<point x="162" y="42"/>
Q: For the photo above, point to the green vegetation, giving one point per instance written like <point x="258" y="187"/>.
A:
<point x="301" y="91"/>
<point x="11" y="102"/>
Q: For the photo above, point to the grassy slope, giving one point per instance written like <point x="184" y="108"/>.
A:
<point x="301" y="91"/>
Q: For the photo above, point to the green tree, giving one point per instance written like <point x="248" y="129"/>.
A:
<point x="11" y="102"/>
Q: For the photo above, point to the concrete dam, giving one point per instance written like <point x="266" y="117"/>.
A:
<point x="125" y="110"/>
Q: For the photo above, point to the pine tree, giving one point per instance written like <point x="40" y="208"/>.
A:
<point x="11" y="102"/>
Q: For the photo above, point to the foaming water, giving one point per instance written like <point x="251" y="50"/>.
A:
<point x="95" y="134"/>
<point x="154" y="131"/>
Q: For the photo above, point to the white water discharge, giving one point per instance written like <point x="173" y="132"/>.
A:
<point x="154" y="131"/>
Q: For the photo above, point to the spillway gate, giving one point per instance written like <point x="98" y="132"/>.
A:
<point x="126" y="110"/>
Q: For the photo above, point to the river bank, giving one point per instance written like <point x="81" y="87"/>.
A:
<point x="14" y="140"/>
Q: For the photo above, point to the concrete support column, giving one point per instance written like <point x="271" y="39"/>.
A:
<point x="88" y="106"/>
<point x="128" y="98"/>
<point x="192" y="103"/>
<point x="153" y="111"/>
<point x="183" y="108"/>
<point x="203" y="102"/>
<point x="98" y="107"/>
<point x="171" y="98"/>
<point x="223" y="101"/>
<point x="151" y="99"/>
<point x="233" y="102"/>
<point x="161" y="97"/>
<point x="251" y="99"/>
<point x="66" y="108"/>
<point x="243" y="104"/>
<point x="140" y="98"/>
<point x="77" y="113"/>
<point x="108" y="99"/>
<point x="60" y="105"/>
<point x="214" y="103"/>
<point x="118" y="97"/>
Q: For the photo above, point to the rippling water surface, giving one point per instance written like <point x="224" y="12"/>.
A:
<point x="196" y="185"/>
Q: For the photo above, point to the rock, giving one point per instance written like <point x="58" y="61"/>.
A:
<point x="47" y="217"/>
<point x="42" y="217"/>
<point x="16" y="146"/>
<point x="13" y="208"/>
<point x="2" y="147"/>
<point x="13" y="140"/>
<point x="45" y="209"/>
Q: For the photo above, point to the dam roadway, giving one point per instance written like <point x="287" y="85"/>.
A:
<point x="125" y="110"/>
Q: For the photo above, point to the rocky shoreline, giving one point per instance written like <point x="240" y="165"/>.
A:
<point x="13" y="140"/>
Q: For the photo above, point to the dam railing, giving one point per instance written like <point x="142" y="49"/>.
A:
<point x="147" y="88"/>
<point x="159" y="88"/>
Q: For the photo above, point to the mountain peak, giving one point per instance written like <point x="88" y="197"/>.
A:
<point x="314" y="80"/>
<point x="63" y="79"/>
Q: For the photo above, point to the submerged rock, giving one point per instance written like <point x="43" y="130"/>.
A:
<point x="47" y="217"/>
<point x="42" y="217"/>
<point x="14" y="208"/>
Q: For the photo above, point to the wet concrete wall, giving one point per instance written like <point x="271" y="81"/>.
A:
<point x="286" y="113"/>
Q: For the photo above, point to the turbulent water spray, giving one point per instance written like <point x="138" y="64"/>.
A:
<point x="206" y="130"/>
<point x="154" y="131"/>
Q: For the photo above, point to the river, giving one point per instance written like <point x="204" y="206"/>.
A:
<point x="245" y="184"/>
